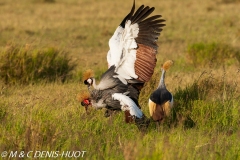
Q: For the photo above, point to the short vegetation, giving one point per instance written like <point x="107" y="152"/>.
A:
<point x="212" y="53"/>
<point x="40" y="84"/>
<point x="21" y="65"/>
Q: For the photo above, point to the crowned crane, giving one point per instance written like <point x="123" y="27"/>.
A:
<point x="161" y="100"/>
<point x="131" y="60"/>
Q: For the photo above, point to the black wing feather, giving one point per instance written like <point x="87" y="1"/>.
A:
<point x="145" y="14"/>
<point x="150" y="19"/>
<point x="136" y="14"/>
<point x="128" y="16"/>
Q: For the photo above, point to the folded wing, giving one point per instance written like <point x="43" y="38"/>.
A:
<point x="127" y="104"/>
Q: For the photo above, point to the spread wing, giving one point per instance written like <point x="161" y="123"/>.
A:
<point x="133" y="45"/>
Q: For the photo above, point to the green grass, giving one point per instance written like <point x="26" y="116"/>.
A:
<point x="213" y="53"/>
<point x="204" y="123"/>
<point x="24" y="66"/>
<point x="47" y="116"/>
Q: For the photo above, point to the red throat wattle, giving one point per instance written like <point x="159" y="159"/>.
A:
<point x="86" y="101"/>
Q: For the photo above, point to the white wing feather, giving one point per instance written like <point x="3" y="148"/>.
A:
<point x="128" y="104"/>
<point x="114" y="53"/>
<point x="109" y="59"/>
<point x="122" y="51"/>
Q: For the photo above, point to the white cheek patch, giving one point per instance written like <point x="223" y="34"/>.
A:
<point x="89" y="81"/>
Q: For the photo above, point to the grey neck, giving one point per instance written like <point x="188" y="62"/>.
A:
<point x="162" y="83"/>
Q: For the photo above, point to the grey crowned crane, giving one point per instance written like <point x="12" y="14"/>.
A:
<point x="131" y="60"/>
<point x="161" y="100"/>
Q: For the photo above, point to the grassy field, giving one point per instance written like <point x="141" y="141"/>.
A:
<point x="201" y="37"/>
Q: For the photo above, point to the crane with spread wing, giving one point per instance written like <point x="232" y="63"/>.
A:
<point x="131" y="60"/>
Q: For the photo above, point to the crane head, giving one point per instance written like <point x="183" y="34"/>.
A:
<point x="167" y="65"/>
<point x="86" y="102"/>
<point x="84" y="99"/>
<point x="87" y="76"/>
<point x="88" y="82"/>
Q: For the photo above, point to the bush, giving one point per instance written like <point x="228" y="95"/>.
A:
<point x="208" y="103"/>
<point x="204" y="53"/>
<point x="24" y="66"/>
